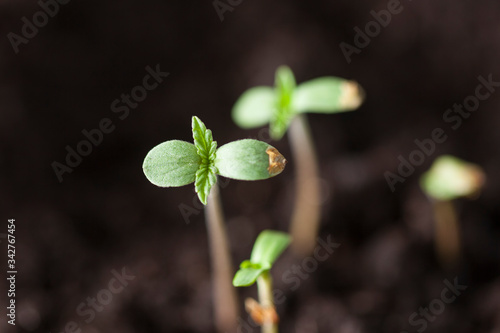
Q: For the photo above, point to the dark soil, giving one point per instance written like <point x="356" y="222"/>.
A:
<point x="73" y="236"/>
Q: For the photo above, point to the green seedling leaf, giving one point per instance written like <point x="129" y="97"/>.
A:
<point x="171" y="164"/>
<point x="249" y="159"/>
<point x="260" y="105"/>
<point x="267" y="248"/>
<point x="206" y="149"/>
<point x="245" y="277"/>
<point x="327" y="95"/>
<point x="178" y="163"/>
<point x="203" y="140"/>
<point x="248" y="273"/>
<point x="205" y="179"/>
<point x="284" y="112"/>
<point x="255" y="107"/>
<point x="451" y="178"/>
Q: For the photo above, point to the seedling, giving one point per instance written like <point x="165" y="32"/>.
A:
<point x="177" y="163"/>
<point x="448" y="179"/>
<point x="267" y="248"/>
<point x="284" y="107"/>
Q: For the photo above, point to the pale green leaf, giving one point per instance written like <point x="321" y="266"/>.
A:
<point x="268" y="247"/>
<point x="248" y="159"/>
<point x="255" y="107"/>
<point x="245" y="277"/>
<point x="282" y="117"/>
<point x="327" y="95"/>
<point x="172" y="163"/>
<point x="285" y="80"/>
<point x="451" y="178"/>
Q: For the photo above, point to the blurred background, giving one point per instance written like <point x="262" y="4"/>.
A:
<point x="104" y="218"/>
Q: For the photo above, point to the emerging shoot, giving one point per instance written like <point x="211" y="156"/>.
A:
<point x="450" y="178"/>
<point x="177" y="163"/>
<point x="283" y="108"/>
<point x="267" y="248"/>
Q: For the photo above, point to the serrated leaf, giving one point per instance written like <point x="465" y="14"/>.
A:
<point x="282" y="117"/>
<point x="255" y="107"/>
<point x="327" y="95"/>
<point x="205" y="179"/>
<point x="268" y="247"/>
<point x="206" y="149"/>
<point x="248" y="159"/>
<point x="171" y="164"/>
<point x="202" y="139"/>
<point x="245" y="277"/>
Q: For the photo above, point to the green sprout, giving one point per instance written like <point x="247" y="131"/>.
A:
<point x="177" y="163"/>
<point x="450" y="178"/>
<point x="267" y="248"/>
<point x="278" y="106"/>
<point x="283" y="107"/>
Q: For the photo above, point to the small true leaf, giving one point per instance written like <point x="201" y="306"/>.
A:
<point x="255" y="107"/>
<point x="285" y="80"/>
<point x="172" y="163"/>
<point x="327" y="95"/>
<point x="205" y="179"/>
<point x="245" y="277"/>
<point x="284" y="112"/>
<point x="202" y="139"/>
<point x="206" y="149"/>
<point x="249" y="159"/>
<point x="269" y="246"/>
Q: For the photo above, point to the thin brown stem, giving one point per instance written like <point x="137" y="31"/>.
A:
<point x="447" y="233"/>
<point x="307" y="210"/>
<point x="225" y="299"/>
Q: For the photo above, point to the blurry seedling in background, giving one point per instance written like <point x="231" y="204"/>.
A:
<point x="283" y="107"/>
<point x="177" y="163"/>
<point x="450" y="178"/>
<point x="267" y="248"/>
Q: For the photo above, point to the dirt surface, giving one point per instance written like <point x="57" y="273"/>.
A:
<point x="76" y="234"/>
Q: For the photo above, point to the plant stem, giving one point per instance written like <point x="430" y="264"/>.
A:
<point x="447" y="236"/>
<point x="225" y="299"/>
<point x="265" y="287"/>
<point x="306" y="215"/>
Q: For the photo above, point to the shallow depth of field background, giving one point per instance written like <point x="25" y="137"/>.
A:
<point x="105" y="215"/>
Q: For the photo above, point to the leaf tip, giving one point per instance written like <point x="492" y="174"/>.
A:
<point x="352" y="95"/>
<point x="277" y="161"/>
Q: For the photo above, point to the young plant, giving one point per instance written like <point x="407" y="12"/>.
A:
<point x="450" y="178"/>
<point x="177" y="163"/>
<point x="267" y="248"/>
<point x="284" y="107"/>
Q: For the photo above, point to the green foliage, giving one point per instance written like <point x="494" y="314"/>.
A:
<point x="244" y="160"/>
<point x="206" y="148"/>
<point x="172" y="163"/>
<point x="267" y="248"/>
<point x="261" y="105"/>
<point x="285" y="86"/>
<point x="327" y="95"/>
<point x="177" y="163"/>
<point x="451" y="178"/>
<point x="255" y="107"/>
